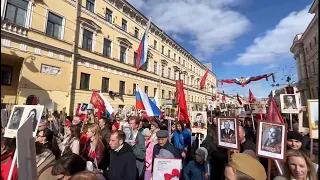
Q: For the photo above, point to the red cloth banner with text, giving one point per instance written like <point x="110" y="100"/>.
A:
<point x="183" y="109"/>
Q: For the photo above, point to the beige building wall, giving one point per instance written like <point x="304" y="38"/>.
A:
<point x="305" y="48"/>
<point x="67" y="56"/>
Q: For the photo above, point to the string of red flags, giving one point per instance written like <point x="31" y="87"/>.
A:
<point x="244" y="81"/>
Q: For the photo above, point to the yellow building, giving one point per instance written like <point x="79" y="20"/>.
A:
<point x="61" y="52"/>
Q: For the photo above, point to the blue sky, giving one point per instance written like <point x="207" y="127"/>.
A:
<point x="239" y="37"/>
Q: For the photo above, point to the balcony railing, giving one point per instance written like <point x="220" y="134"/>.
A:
<point x="13" y="28"/>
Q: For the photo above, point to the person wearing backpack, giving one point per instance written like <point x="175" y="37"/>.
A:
<point x="149" y="144"/>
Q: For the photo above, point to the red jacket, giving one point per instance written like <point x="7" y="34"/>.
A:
<point x="6" y="161"/>
<point x="83" y="141"/>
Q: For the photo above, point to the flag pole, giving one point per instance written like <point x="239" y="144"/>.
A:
<point x="253" y="125"/>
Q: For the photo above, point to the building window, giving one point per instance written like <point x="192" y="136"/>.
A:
<point x="90" y="5"/>
<point x="146" y="90"/>
<point x="312" y="93"/>
<point x="124" y="25"/>
<point x="136" y="32"/>
<point x="313" y="67"/>
<point x="107" y="48"/>
<point x="108" y="15"/>
<point x="6" y="75"/>
<point x="134" y="89"/>
<point x="155" y="44"/>
<point x="54" y="26"/>
<point x="174" y="56"/>
<point x="135" y="58"/>
<point x="84" y="81"/>
<point x="191" y="68"/>
<point x="17" y="12"/>
<point x="175" y="75"/>
<point x="122" y="88"/>
<point x="155" y="67"/>
<point x="163" y="94"/>
<point x="87" y="40"/>
<point x="105" y="84"/>
<point x="162" y="50"/>
<point x="123" y="54"/>
<point x="154" y="92"/>
<point x="184" y="62"/>
<point x="169" y="94"/>
<point x="163" y="70"/>
<point x="309" y="70"/>
<point x="169" y="73"/>
<point x="179" y="60"/>
<point x="315" y="40"/>
<point x="169" y="52"/>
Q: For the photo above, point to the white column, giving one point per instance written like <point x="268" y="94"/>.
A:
<point x="303" y="66"/>
<point x="3" y="8"/>
<point x="298" y="64"/>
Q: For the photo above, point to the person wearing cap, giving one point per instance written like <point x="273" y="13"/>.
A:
<point x="163" y="143"/>
<point x="243" y="166"/>
<point x="294" y="141"/>
<point x="199" y="168"/>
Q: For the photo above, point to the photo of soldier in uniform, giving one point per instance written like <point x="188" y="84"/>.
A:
<point x="227" y="132"/>
<point x="289" y="103"/>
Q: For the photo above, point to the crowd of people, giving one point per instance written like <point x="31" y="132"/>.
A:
<point x="97" y="149"/>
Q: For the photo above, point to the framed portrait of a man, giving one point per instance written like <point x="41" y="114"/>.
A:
<point x="199" y="122"/>
<point x="289" y="103"/>
<point x="247" y="108"/>
<point x="313" y="115"/>
<point x="228" y="132"/>
<point x="271" y="142"/>
<point x="223" y="107"/>
<point x="128" y="131"/>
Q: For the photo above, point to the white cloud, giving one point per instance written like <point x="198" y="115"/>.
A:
<point x="275" y="44"/>
<point x="210" y="25"/>
<point x="270" y="67"/>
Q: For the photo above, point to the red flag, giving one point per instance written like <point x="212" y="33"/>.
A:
<point x="203" y="80"/>
<point x="183" y="109"/>
<point x="252" y="99"/>
<point x="223" y="98"/>
<point x="239" y="100"/>
<point x="98" y="103"/>
<point x="274" y="115"/>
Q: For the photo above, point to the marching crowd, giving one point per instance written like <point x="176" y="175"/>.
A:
<point x="69" y="148"/>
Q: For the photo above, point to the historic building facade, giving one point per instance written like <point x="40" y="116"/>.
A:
<point x="305" y="48"/>
<point x="62" y="54"/>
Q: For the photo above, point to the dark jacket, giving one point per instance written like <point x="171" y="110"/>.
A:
<point x="196" y="171"/>
<point x="247" y="145"/>
<point x="122" y="164"/>
<point x="105" y="134"/>
<point x="156" y="150"/>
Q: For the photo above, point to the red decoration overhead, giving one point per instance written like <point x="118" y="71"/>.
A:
<point x="244" y="81"/>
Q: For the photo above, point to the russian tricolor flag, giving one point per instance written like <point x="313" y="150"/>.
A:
<point x="143" y="47"/>
<point x="109" y="109"/>
<point x="143" y="102"/>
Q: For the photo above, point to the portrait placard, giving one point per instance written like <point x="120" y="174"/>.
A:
<point x="289" y="103"/>
<point x="247" y="108"/>
<point x="223" y="107"/>
<point x="163" y="167"/>
<point x="258" y="107"/>
<point x="313" y="110"/>
<point x="129" y="133"/>
<point x="199" y="122"/>
<point x="228" y="132"/>
<point x="271" y="140"/>
<point x="303" y="120"/>
<point x="19" y="115"/>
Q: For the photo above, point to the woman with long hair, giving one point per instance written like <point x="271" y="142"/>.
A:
<point x="94" y="148"/>
<point x="298" y="166"/>
<point x="71" y="141"/>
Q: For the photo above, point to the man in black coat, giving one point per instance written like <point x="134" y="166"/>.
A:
<point x="122" y="160"/>
<point x="227" y="132"/>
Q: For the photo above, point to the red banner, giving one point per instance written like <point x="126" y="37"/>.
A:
<point x="178" y="82"/>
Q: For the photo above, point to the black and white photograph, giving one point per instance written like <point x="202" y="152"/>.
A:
<point x="289" y="103"/>
<point x="303" y="120"/>
<point x="129" y="133"/>
<point x="15" y="118"/>
<point x="19" y="115"/>
<point x="228" y="132"/>
<point x="223" y="107"/>
<point x="247" y="108"/>
<point x="271" y="140"/>
<point x="199" y="122"/>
